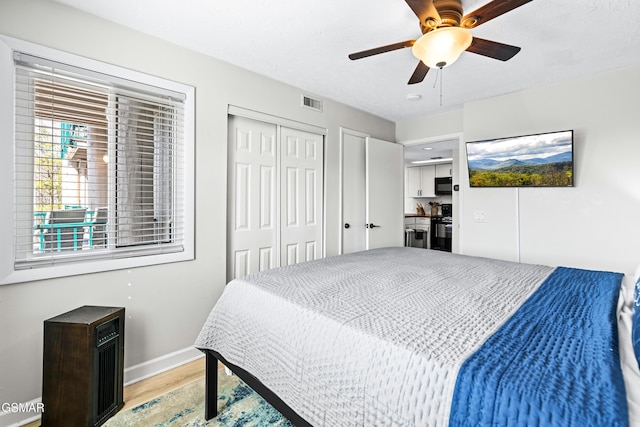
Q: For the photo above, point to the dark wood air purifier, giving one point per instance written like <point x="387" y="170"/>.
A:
<point x="83" y="367"/>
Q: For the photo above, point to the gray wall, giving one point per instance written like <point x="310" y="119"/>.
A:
<point x="166" y="305"/>
<point x="592" y="225"/>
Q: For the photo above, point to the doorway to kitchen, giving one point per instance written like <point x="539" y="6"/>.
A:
<point x="431" y="165"/>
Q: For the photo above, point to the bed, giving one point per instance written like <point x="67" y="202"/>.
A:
<point x="410" y="337"/>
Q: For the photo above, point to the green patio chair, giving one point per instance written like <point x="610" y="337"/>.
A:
<point x="64" y="230"/>
<point x="98" y="230"/>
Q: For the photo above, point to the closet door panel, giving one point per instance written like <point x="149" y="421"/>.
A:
<point x="302" y="168"/>
<point x="311" y="197"/>
<point x="274" y="196"/>
<point x="291" y="195"/>
<point x="241" y="263"/>
<point x="242" y="196"/>
<point x="267" y="197"/>
<point x="252" y="203"/>
<point x="267" y="259"/>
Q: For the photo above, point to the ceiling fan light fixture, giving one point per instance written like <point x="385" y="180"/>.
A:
<point x="442" y="47"/>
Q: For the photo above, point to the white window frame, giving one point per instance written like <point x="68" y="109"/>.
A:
<point x="8" y="273"/>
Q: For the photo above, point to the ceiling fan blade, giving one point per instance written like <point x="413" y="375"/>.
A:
<point x="489" y="11"/>
<point x="492" y="49"/>
<point x="381" y="49"/>
<point x="426" y="12"/>
<point x="419" y="74"/>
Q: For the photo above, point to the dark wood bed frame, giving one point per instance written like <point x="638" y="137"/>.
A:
<point x="211" y="389"/>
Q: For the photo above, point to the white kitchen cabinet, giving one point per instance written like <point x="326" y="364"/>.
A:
<point x="420" y="181"/>
<point x="444" y="169"/>
<point x="414" y="185"/>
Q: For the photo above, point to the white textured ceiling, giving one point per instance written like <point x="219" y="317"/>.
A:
<point x="306" y="42"/>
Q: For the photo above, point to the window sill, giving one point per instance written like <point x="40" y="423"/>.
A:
<point x="95" y="266"/>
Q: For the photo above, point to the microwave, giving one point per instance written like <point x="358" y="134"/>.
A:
<point x="443" y="186"/>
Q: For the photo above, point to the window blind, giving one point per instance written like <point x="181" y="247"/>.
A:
<point x="98" y="166"/>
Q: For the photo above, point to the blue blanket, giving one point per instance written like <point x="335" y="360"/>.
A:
<point x="555" y="362"/>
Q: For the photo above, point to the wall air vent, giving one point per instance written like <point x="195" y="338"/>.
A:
<point x="313" y="103"/>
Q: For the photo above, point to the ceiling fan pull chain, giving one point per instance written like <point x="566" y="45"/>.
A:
<point x="441" y="73"/>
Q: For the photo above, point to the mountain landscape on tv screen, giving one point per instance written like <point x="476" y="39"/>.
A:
<point x="552" y="171"/>
<point x="492" y="165"/>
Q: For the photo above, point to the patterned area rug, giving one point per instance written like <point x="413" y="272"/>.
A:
<point x="238" y="405"/>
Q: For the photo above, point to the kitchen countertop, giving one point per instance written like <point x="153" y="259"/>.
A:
<point x="416" y="216"/>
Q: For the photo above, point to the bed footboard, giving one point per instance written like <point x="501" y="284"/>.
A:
<point x="211" y="390"/>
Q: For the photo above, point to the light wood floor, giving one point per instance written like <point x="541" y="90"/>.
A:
<point x="145" y="390"/>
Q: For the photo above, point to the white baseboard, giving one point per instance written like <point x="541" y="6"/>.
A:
<point x="132" y="374"/>
<point x="147" y="369"/>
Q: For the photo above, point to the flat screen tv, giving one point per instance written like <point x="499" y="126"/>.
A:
<point x="539" y="160"/>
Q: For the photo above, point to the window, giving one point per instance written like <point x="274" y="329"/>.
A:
<point x="100" y="167"/>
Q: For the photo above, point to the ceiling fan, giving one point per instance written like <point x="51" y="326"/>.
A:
<point x="446" y="34"/>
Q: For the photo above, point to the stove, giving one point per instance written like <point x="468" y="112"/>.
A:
<point x="441" y="231"/>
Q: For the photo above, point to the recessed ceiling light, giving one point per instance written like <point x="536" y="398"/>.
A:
<point x="414" y="97"/>
<point x="427" y="148"/>
<point x="434" y="160"/>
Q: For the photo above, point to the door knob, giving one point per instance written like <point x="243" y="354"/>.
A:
<point x="346" y="225"/>
<point x="372" y="225"/>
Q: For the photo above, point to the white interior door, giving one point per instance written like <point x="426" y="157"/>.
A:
<point x="353" y="193"/>
<point x="301" y="180"/>
<point x="384" y="192"/>
<point x="252" y="217"/>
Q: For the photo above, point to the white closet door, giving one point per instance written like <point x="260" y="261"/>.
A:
<point x="353" y="193"/>
<point x="252" y="206"/>
<point x="301" y="171"/>
<point x="385" y="197"/>
<point x="372" y="193"/>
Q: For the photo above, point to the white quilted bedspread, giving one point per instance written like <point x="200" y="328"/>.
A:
<point x="371" y="338"/>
